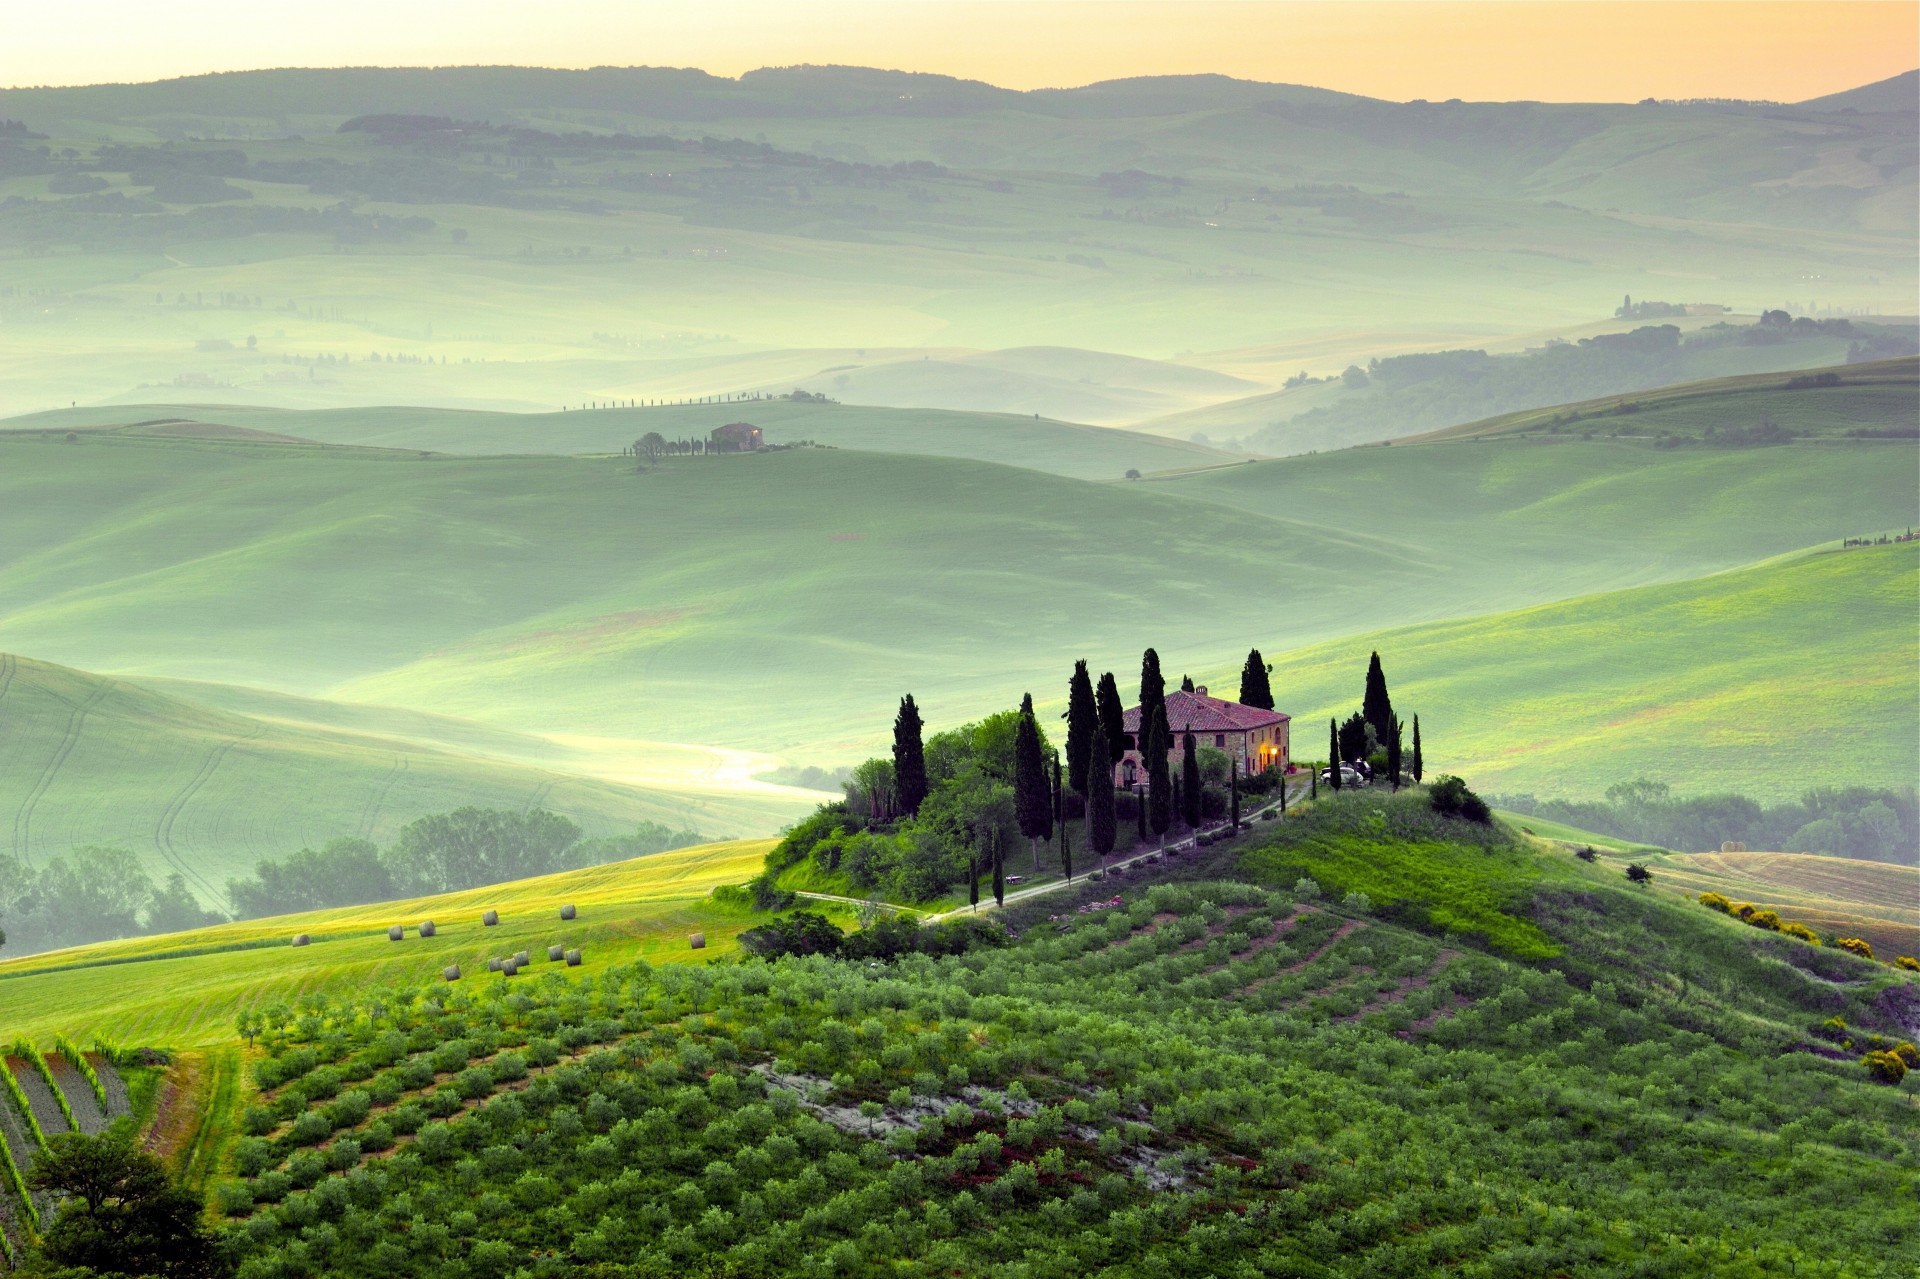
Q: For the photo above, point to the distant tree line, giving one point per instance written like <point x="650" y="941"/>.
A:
<point x="91" y="894"/>
<point x="1876" y="825"/>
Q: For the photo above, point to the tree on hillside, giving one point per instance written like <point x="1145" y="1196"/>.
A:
<point x="1153" y="688"/>
<point x="1333" y="754"/>
<point x="1393" y="756"/>
<point x="121" y="1215"/>
<point x="1186" y="684"/>
<point x="1417" y="763"/>
<point x="1356" y="738"/>
<point x="1376" y="706"/>
<point x="1100" y="797"/>
<point x="1160" y="775"/>
<point x="175" y="909"/>
<point x="999" y="871"/>
<point x="1255" y="689"/>
<point x="872" y="787"/>
<point x="650" y="447"/>
<point x="1032" y="797"/>
<point x="973" y="876"/>
<point x="1113" y="719"/>
<point x="1189" y="781"/>
<point x="1060" y="821"/>
<point x="1083" y="719"/>
<point x="909" y="758"/>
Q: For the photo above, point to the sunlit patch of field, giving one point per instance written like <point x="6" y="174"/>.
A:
<point x="1832" y="895"/>
<point x="182" y="990"/>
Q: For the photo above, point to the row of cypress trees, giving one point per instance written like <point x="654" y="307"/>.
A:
<point x="1376" y="721"/>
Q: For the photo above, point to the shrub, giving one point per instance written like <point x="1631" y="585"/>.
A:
<point x="1854" y="946"/>
<point x="1886" y="1067"/>
<point x="1908" y="962"/>
<point x="1451" y="798"/>
<point x="1764" y="919"/>
<point x="1714" y="901"/>
<point x="1639" y="874"/>
<point x="1802" y="932"/>
<point x="1832" y="1028"/>
<point x="1907" y="1053"/>
<point x="233" y="1198"/>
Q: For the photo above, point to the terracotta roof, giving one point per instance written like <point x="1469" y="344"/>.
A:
<point x="1205" y="714"/>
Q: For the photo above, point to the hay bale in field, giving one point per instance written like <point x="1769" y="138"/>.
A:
<point x="567" y="912"/>
<point x="520" y="960"/>
<point x="697" y="941"/>
<point x="396" y="933"/>
<point x="1732" y="846"/>
<point x="556" y="952"/>
<point x="509" y="969"/>
<point x="490" y="919"/>
<point x="573" y="959"/>
<point x="493" y="965"/>
<point x="426" y="928"/>
<point x="451" y="972"/>
<point x="301" y="939"/>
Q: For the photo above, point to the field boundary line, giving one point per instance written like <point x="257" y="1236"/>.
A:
<point x="76" y="721"/>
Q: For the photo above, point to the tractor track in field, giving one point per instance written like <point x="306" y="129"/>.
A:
<point x="378" y="800"/>
<point x="8" y="664"/>
<point x="163" y="828"/>
<point x="23" y="817"/>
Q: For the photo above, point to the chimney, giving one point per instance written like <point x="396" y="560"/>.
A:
<point x="1200" y="690"/>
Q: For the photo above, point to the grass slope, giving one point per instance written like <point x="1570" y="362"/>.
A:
<point x="1746" y="681"/>
<point x="90" y="760"/>
<point x="183" y="989"/>
<point x="1062" y="448"/>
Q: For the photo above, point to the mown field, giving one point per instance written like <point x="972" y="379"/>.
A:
<point x="1831" y="895"/>
<point x="1740" y="682"/>
<point x="183" y="989"/>
<point x="189" y="787"/>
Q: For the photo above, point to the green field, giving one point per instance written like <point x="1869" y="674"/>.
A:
<point x="191" y="787"/>
<point x="1738" y="682"/>
<point x="183" y="989"/>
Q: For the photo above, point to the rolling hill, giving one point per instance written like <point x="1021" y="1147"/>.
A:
<point x="85" y="759"/>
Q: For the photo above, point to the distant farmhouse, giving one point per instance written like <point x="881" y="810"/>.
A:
<point x="734" y="437"/>
<point x="1257" y="739"/>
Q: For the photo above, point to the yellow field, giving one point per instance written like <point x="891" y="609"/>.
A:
<point x="182" y="990"/>
<point x="1874" y="900"/>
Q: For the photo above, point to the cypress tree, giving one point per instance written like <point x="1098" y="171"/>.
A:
<point x="973" y="877"/>
<point x="1160" y="775"/>
<point x="999" y="872"/>
<point x="1100" y="798"/>
<point x="1313" y="784"/>
<point x="1139" y="820"/>
<point x="1416" y="748"/>
<point x="1083" y="720"/>
<point x="1190" y="782"/>
<point x="1153" y="689"/>
<point x="909" y="758"/>
<point x="1233" y="787"/>
<point x="1186" y="683"/>
<point x="1032" y="801"/>
<point x="1255" y="689"/>
<point x="1393" y="756"/>
<point x="1333" y="754"/>
<point x="1376" y="707"/>
<point x="1060" y="821"/>
<point x="1113" y="719"/>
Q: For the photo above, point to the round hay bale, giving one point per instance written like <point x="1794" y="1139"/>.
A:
<point x="567" y="912"/>
<point x="490" y="919"/>
<point x="509" y="969"/>
<point x="452" y="972"/>
<point x="520" y="960"/>
<point x="698" y="941"/>
<point x="556" y="953"/>
<point x="426" y="928"/>
<point x="396" y="933"/>
<point x="573" y="959"/>
<point x="301" y="939"/>
<point x="493" y="965"/>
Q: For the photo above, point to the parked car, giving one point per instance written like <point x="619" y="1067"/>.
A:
<point x="1347" y="776"/>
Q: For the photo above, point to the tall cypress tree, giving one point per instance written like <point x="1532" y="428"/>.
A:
<point x="1160" y="775"/>
<point x="909" y="758"/>
<point x="1417" y="763"/>
<point x="1032" y="802"/>
<point x="1186" y="683"/>
<point x="999" y="871"/>
<point x="1333" y="754"/>
<point x="1113" y="719"/>
<point x="1393" y="756"/>
<point x="1100" y="798"/>
<point x="1190" y="782"/>
<point x="1376" y="707"/>
<point x="1083" y="720"/>
<point x="1255" y="689"/>
<point x="973" y="876"/>
<point x="1060" y="821"/>
<point x="1153" y="689"/>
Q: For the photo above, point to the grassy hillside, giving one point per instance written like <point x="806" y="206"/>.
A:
<point x="183" y="989"/>
<point x="1747" y="681"/>
<point x="1062" y="448"/>
<point x="574" y="596"/>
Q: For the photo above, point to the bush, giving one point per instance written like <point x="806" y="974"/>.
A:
<point x="1907" y="1053"/>
<point x="1451" y="798"/>
<point x="1714" y="901"/>
<point x="1907" y="962"/>
<point x="1833" y="1029"/>
<point x="1641" y="875"/>
<point x="1886" y="1067"/>
<point x="1802" y="932"/>
<point x="1764" y="919"/>
<point x="1854" y="946"/>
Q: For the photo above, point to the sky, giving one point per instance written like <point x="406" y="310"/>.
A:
<point x="1548" y="50"/>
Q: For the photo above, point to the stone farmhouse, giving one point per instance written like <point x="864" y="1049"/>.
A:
<point x="1257" y="739"/>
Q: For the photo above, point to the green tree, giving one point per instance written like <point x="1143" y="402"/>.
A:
<point x="1190" y="781"/>
<point x="1113" y="719"/>
<point x="909" y="758"/>
<point x="998" y="847"/>
<point x="1393" y="755"/>
<point x="1100" y="831"/>
<point x="174" y="908"/>
<point x="121" y="1215"/>
<point x="1083" y="720"/>
<point x="1376" y="706"/>
<point x="1160" y="775"/>
<point x="1333" y="754"/>
<point x="247" y="1023"/>
<point x="650" y="447"/>
<point x="1418" y="765"/>
<point x="1153" y="689"/>
<point x="1032" y="798"/>
<point x="1255" y="689"/>
<point x="1060" y="822"/>
<point x="973" y="878"/>
<point x="1357" y="739"/>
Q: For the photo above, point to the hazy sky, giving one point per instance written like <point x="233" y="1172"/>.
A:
<point x="1617" y="50"/>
